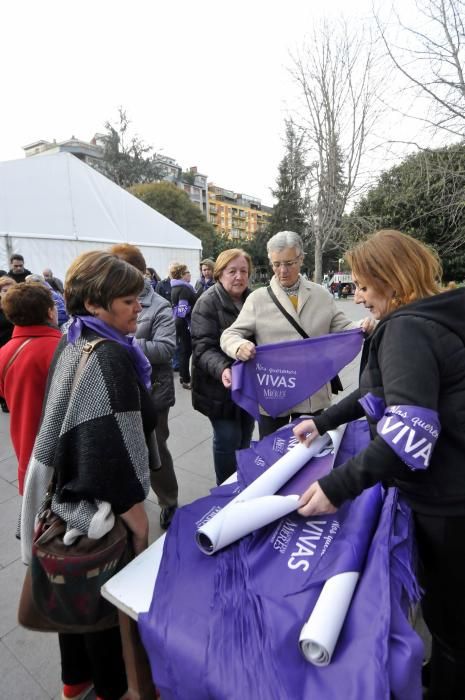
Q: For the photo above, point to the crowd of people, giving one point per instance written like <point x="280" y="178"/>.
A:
<point x="105" y="436"/>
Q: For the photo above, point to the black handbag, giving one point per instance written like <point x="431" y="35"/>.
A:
<point x="336" y="384"/>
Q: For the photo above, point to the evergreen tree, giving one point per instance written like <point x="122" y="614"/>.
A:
<point x="290" y="210"/>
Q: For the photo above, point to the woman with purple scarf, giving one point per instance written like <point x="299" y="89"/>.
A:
<point x="412" y="391"/>
<point x="94" y="437"/>
<point x="183" y="298"/>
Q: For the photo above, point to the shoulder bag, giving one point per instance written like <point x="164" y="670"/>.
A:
<point x="61" y="590"/>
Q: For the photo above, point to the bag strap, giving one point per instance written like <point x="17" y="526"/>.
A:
<point x="291" y="320"/>
<point x="88" y="348"/>
<point x="14" y="356"/>
<point x="336" y="384"/>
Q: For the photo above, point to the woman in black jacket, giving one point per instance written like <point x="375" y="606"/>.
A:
<point x="183" y="298"/>
<point x="214" y="311"/>
<point x="412" y="391"/>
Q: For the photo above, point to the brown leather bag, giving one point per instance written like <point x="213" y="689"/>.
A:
<point x="61" y="589"/>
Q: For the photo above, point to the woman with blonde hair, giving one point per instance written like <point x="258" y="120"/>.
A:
<point x="214" y="311"/>
<point x="412" y="392"/>
<point x="183" y="299"/>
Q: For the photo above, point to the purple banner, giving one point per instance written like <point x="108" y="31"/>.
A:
<point x="228" y="626"/>
<point x="253" y="461"/>
<point x="283" y="374"/>
<point x="410" y="431"/>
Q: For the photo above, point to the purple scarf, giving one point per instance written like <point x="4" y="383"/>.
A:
<point x="227" y="626"/>
<point x="141" y="363"/>
<point x="284" y="374"/>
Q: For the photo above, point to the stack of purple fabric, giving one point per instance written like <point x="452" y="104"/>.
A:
<point x="227" y="626"/>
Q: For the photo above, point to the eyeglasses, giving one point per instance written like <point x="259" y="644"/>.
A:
<point x="286" y="264"/>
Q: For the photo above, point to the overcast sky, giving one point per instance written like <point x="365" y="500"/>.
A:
<point x="204" y="82"/>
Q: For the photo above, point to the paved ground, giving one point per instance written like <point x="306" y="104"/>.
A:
<point x="29" y="661"/>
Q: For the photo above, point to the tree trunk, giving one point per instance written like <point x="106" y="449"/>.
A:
<point x="318" y="260"/>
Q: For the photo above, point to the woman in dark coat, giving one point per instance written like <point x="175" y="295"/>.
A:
<point x="183" y="298"/>
<point x="215" y="310"/>
<point x="412" y="391"/>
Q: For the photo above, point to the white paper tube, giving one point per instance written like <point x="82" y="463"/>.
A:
<point x="245" y="513"/>
<point x="320" y="633"/>
<point x="244" y="518"/>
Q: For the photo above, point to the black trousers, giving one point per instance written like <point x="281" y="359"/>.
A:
<point x="163" y="480"/>
<point x="441" y="549"/>
<point x="97" y="656"/>
<point x="267" y="424"/>
<point x="183" y="338"/>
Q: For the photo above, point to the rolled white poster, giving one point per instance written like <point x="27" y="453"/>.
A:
<point x="320" y="633"/>
<point x="256" y="506"/>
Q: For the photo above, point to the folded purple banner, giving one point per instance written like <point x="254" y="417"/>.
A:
<point x="410" y="431"/>
<point x="283" y="374"/>
<point x="228" y="626"/>
<point x="253" y="461"/>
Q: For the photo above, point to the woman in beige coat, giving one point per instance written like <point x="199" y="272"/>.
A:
<point x="261" y="321"/>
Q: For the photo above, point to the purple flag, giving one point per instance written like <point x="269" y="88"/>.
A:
<point x="283" y="374"/>
<point x="253" y="461"/>
<point x="410" y="431"/>
<point x="228" y="626"/>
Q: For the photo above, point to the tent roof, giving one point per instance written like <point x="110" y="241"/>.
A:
<point x="60" y="197"/>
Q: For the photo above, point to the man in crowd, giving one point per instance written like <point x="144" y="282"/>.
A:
<point x="17" y="270"/>
<point x="156" y="337"/>
<point x="54" y="282"/>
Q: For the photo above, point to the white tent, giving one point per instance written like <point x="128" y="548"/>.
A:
<point x="52" y="208"/>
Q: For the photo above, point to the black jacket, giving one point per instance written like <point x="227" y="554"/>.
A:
<point x="416" y="357"/>
<point x="163" y="288"/>
<point x="213" y="312"/>
<point x="19" y="277"/>
<point x="182" y="292"/>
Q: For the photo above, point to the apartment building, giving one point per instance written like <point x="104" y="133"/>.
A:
<point x="88" y="151"/>
<point x="193" y="183"/>
<point x="235" y="215"/>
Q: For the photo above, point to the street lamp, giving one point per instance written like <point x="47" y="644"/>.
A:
<point x="339" y="263"/>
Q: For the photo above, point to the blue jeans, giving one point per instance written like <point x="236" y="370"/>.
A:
<point x="229" y="435"/>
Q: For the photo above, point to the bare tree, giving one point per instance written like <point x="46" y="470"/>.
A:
<point x="431" y="57"/>
<point x="334" y="76"/>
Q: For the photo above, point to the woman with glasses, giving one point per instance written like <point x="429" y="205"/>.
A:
<point x="261" y="321"/>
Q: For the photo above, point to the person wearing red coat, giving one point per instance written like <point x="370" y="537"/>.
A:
<point x="24" y="364"/>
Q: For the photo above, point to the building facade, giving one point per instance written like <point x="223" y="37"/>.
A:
<point x="235" y="215"/>
<point x="193" y="183"/>
<point x="88" y="151"/>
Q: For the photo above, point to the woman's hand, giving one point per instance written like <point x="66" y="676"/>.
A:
<point x="138" y="524"/>
<point x="306" y="431"/>
<point x="226" y="377"/>
<point x="314" y="502"/>
<point x="246" y="351"/>
<point x="368" y="325"/>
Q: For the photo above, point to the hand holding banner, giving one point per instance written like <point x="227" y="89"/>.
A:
<point x="283" y="375"/>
